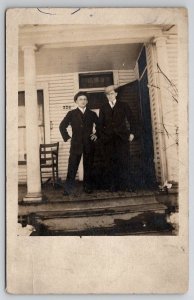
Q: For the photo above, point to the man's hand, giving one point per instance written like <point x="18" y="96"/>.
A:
<point x="131" y="137"/>
<point x="93" y="137"/>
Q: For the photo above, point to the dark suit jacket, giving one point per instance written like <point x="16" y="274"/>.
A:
<point x="116" y="122"/>
<point x="82" y="126"/>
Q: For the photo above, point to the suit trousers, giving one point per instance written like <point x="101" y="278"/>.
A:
<point x="116" y="158"/>
<point x="73" y="164"/>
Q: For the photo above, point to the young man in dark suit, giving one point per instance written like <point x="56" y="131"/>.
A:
<point x="116" y="132"/>
<point x="81" y="121"/>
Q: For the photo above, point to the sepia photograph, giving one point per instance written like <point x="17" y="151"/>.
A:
<point x="98" y="131"/>
<point x="97" y="148"/>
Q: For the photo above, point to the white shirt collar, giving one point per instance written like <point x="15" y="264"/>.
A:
<point x="112" y="103"/>
<point x="82" y="109"/>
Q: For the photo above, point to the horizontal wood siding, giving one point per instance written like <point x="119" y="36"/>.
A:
<point x="61" y="93"/>
<point x="172" y="50"/>
<point x="126" y="76"/>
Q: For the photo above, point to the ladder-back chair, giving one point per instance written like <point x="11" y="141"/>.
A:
<point x="49" y="163"/>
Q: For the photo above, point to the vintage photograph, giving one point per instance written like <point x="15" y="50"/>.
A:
<point x="96" y="150"/>
<point x="98" y="131"/>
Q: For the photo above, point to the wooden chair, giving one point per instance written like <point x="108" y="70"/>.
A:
<point x="49" y="163"/>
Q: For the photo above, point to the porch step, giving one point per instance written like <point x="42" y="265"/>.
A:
<point x="102" y="223"/>
<point x="134" y="202"/>
<point x="99" y="217"/>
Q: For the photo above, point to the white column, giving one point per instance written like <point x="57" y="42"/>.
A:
<point x="167" y="111"/>
<point x="32" y="138"/>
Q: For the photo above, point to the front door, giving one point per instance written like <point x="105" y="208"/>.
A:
<point x="129" y="93"/>
<point x="141" y="149"/>
<point x="147" y="139"/>
<point x="147" y="134"/>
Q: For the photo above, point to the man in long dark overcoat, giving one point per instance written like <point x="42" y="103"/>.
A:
<point x="82" y="121"/>
<point x="116" y="132"/>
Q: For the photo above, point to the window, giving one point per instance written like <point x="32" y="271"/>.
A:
<point x="96" y="100"/>
<point x="95" y="80"/>
<point x="22" y="157"/>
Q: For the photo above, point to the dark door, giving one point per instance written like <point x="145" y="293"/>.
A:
<point x="147" y="138"/>
<point x="136" y="94"/>
<point x="129" y="93"/>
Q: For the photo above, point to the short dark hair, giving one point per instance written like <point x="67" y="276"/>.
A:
<point x="80" y="94"/>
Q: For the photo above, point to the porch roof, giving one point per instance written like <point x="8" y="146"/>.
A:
<point x="83" y="48"/>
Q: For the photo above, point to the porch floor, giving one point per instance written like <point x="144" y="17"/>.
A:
<point x="100" y="213"/>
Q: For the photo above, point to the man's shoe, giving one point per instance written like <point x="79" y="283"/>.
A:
<point x="130" y="190"/>
<point x="113" y="189"/>
<point x="65" y="193"/>
<point x="88" y="191"/>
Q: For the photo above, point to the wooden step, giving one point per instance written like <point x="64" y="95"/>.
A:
<point x="97" y="211"/>
<point x="103" y="217"/>
<point x="89" y="204"/>
<point x="118" y="223"/>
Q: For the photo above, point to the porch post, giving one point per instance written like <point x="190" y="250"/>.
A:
<point x="32" y="140"/>
<point x="167" y="109"/>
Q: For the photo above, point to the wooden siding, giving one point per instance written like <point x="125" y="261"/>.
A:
<point x="172" y="51"/>
<point x="126" y="76"/>
<point x="172" y="46"/>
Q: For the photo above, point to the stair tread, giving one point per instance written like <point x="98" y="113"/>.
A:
<point x="122" y="209"/>
<point x="79" y="205"/>
<point x="89" y="222"/>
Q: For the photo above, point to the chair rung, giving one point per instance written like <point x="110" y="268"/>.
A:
<point x="46" y="151"/>
<point x="48" y="172"/>
<point x="45" y="158"/>
<point x="49" y="145"/>
<point x="48" y="166"/>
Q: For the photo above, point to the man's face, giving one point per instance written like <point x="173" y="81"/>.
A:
<point x="82" y="101"/>
<point x="111" y="96"/>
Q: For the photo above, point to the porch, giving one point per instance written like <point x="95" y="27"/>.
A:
<point x="80" y="61"/>
<point x="144" y="212"/>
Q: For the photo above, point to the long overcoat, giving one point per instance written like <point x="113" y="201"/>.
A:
<point x="116" y="122"/>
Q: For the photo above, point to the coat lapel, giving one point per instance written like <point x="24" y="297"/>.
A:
<point x="108" y="107"/>
<point x="79" y="115"/>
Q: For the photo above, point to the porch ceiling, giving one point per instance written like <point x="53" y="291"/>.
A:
<point x="78" y="48"/>
<point x="85" y="59"/>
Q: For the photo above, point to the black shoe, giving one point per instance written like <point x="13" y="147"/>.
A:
<point x="130" y="190"/>
<point x="113" y="189"/>
<point x="65" y="193"/>
<point x="88" y="191"/>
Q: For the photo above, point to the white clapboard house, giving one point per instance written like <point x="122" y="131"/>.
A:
<point x="57" y="61"/>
